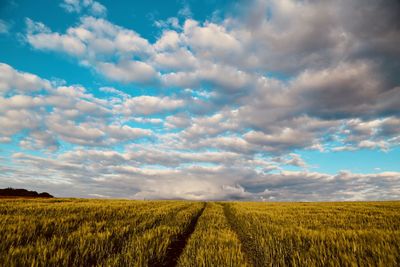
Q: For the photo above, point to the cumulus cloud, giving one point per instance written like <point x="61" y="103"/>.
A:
<point x="351" y="89"/>
<point x="95" y="42"/>
<point x="170" y="40"/>
<point x="11" y="79"/>
<point x="236" y="101"/>
<point x="286" y="139"/>
<point x="48" y="113"/>
<point x="145" y="105"/>
<point x="39" y="140"/>
<point x="14" y="121"/>
<point x="41" y="37"/>
<point x="310" y="186"/>
<point x="110" y="171"/>
<point x="292" y="159"/>
<point x="210" y="40"/>
<point x="128" y="71"/>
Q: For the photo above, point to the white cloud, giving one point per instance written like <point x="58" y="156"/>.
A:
<point x="14" y="121"/>
<point x="39" y="140"/>
<point x="93" y="133"/>
<point x="145" y="105"/>
<point x="225" y="78"/>
<point x="172" y="22"/>
<point x="4" y="27"/>
<point x="178" y="60"/>
<point x="68" y="113"/>
<point x="148" y="120"/>
<point x="168" y="40"/>
<point x="239" y="96"/>
<point x="210" y="40"/>
<point x="95" y="42"/>
<point x="78" y="6"/>
<point x="178" y="121"/>
<point x="127" y="71"/>
<point x="4" y="139"/>
<point x="111" y="173"/>
<point x="287" y="139"/>
<point x="40" y="37"/>
<point x="295" y="160"/>
<point x="13" y="80"/>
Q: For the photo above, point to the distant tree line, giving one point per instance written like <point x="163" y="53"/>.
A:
<point x="12" y="192"/>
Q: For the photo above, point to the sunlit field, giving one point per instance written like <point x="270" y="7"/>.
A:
<point x="76" y="232"/>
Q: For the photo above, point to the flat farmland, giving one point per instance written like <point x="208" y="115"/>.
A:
<point x="81" y="232"/>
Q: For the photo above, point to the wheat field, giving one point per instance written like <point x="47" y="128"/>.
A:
<point x="78" y="232"/>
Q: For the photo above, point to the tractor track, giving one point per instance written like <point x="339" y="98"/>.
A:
<point x="251" y="253"/>
<point x="177" y="246"/>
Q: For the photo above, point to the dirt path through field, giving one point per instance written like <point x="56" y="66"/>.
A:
<point x="247" y="246"/>
<point x="177" y="246"/>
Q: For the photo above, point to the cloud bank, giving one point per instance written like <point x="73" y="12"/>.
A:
<point x="238" y="98"/>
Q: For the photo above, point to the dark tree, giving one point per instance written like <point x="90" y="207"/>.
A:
<point x="11" y="192"/>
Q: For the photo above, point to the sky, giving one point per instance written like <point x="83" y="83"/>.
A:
<point x="263" y="100"/>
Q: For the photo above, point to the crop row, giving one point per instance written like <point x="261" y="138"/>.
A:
<point x="90" y="233"/>
<point x="318" y="234"/>
<point x="73" y="232"/>
<point x="213" y="243"/>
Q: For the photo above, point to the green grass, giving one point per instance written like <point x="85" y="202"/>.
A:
<point x="76" y="232"/>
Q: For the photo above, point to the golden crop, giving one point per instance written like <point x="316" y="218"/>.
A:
<point x="319" y="234"/>
<point x="90" y="232"/>
<point x="76" y="232"/>
<point x="213" y="243"/>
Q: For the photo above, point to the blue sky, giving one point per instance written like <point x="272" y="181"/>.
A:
<point x="258" y="100"/>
